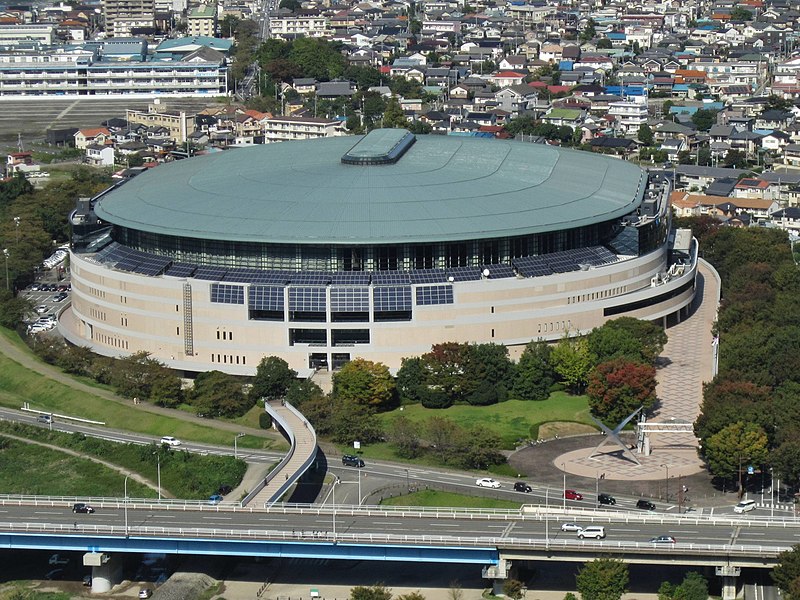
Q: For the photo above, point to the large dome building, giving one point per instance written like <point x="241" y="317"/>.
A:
<point x="375" y="246"/>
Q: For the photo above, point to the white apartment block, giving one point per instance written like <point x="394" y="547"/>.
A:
<point x="202" y="21"/>
<point x="13" y="35"/>
<point x="81" y="74"/>
<point x="280" y="129"/>
<point x="302" y="26"/>
<point x="630" y="115"/>
<point x="122" y="15"/>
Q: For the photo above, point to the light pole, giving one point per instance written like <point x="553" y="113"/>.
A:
<point x="333" y="495"/>
<point x="158" y="467"/>
<point x="772" y="493"/>
<point x="597" y="486"/>
<point x="666" y="483"/>
<point x="408" y="484"/>
<point x="5" y="253"/>
<point x="564" y="487"/>
<point x="359" y="487"/>
<point x="235" y="444"/>
<point x="126" y="506"/>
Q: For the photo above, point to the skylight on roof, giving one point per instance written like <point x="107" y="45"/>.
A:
<point x="380" y="147"/>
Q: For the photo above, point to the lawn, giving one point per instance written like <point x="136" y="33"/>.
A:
<point x="19" y="385"/>
<point x="512" y="420"/>
<point x="449" y="499"/>
<point x="32" y="469"/>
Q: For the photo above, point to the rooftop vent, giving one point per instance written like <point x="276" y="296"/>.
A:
<point x="380" y="147"/>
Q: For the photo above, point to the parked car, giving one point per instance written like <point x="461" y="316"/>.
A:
<point x="521" y="486"/>
<point x="41" y="309"/>
<point x="645" y="505"/>
<point x="663" y="539"/>
<point x="606" y="499"/>
<point x="572" y="495"/>
<point x="570" y="527"/>
<point x="597" y="532"/>
<point x="487" y="482"/>
<point x="350" y="460"/>
<point x="58" y="560"/>
<point x="170" y="441"/>
<point x="80" y="507"/>
<point x="145" y="593"/>
<point x="215" y="499"/>
<point x="745" y="506"/>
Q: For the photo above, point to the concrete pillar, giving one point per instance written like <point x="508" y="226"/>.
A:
<point x="498" y="574"/>
<point x="106" y="571"/>
<point x="730" y="577"/>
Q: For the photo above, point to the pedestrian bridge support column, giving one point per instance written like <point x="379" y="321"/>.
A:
<point x="498" y="574"/>
<point x="730" y="577"/>
<point x="106" y="571"/>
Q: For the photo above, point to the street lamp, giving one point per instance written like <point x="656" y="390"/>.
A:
<point x="126" y="506"/>
<point x="408" y="484"/>
<point x="158" y="466"/>
<point x="333" y="495"/>
<point x="666" y="483"/>
<point x="5" y="253"/>
<point x="564" y="489"/>
<point x="235" y="444"/>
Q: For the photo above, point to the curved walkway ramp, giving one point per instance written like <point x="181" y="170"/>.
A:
<point x="302" y="453"/>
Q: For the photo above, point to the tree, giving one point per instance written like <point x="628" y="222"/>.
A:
<point x="645" y="134"/>
<point x="292" y="5"/>
<point x="513" y="588"/>
<point x="375" y="592"/>
<point x="534" y="374"/>
<point x="734" y="448"/>
<point x="487" y="373"/>
<point x="603" y="579"/>
<point x="604" y="44"/>
<point x="393" y="116"/>
<point x="410" y="380"/>
<point x="366" y="383"/>
<point x="704" y="119"/>
<point x="785" y="460"/>
<point x="571" y="361"/>
<point x="736" y="159"/>
<point x="618" y="387"/>
<point x="589" y="31"/>
<point x="218" y="394"/>
<point x="403" y="434"/>
<point x="350" y="422"/>
<point x="301" y="391"/>
<point x="787" y="573"/>
<point x="445" y="367"/>
<point x="411" y="596"/>
<point x="693" y="587"/>
<point x="272" y="380"/>
<point x="627" y="337"/>
<point x="726" y="401"/>
<point x="741" y="14"/>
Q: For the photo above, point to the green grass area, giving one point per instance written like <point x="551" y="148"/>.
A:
<point x="32" y="469"/>
<point x="434" y="498"/>
<point x="512" y="420"/>
<point x="19" y="385"/>
<point x="185" y="475"/>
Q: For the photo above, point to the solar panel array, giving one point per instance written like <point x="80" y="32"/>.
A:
<point x="350" y="278"/>
<point x="564" y="261"/>
<point x="499" y="271"/>
<point x="464" y="273"/>
<point x="392" y="298"/>
<point x="181" y="270"/>
<point x="265" y="297"/>
<point x="349" y="299"/>
<point x="310" y="278"/>
<point x="127" y="259"/>
<point x="428" y="295"/>
<point x="227" y="294"/>
<point x="428" y="276"/>
<point x="307" y="299"/>
<point x="210" y="273"/>
<point x="391" y="278"/>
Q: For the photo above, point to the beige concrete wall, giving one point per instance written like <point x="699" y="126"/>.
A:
<point x="119" y="313"/>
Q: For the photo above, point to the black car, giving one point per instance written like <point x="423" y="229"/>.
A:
<point x="352" y="461"/>
<point x="645" y="505"/>
<point x="80" y="507"/>
<point x="224" y="490"/>
<point x="521" y="486"/>
<point x="606" y="499"/>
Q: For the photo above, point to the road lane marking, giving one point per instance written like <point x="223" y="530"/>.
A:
<point x="388" y="523"/>
<point x="444" y="525"/>
<point x="219" y="518"/>
<point x="47" y="513"/>
<point x="275" y="520"/>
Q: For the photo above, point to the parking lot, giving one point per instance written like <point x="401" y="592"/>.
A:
<point x="48" y="300"/>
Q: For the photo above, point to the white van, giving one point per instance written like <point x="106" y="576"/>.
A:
<point x="597" y="532"/>
<point x="745" y="506"/>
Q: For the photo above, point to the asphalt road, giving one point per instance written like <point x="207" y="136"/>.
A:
<point x="32" y="117"/>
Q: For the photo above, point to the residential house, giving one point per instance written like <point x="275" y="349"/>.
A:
<point x="96" y="135"/>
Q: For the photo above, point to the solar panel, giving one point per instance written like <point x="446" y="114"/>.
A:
<point x="310" y="278"/>
<point x="266" y="297"/>
<point x="227" y="294"/>
<point x="464" y="273"/>
<point x="241" y="275"/>
<point x="153" y="265"/>
<point x="392" y="298"/>
<point x="390" y="278"/>
<point x="349" y="299"/>
<point x="350" y="278"/>
<point x="499" y="271"/>
<point x="180" y="270"/>
<point x="428" y="276"/>
<point x="532" y="266"/>
<point x="272" y="277"/>
<point x="428" y="295"/>
<point x="129" y="263"/>
<point x="211" y="273"/>
<point x="307" y="299"/>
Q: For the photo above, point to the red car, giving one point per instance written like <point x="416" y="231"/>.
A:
<point x="572" y="495"/>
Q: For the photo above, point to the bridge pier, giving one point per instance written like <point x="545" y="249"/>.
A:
<point x="498" y="574"/>
<point x="730" y="580"/>
<point x="106" y="571"/>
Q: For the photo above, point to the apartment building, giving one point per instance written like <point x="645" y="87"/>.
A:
<point x="179" y="123"/>
<point x="12" y="35"/>
<point x="202" y="21"/>
<point x="287" y="28"/>
<point x="279" y="129"/>
<point x="121" y="16"/>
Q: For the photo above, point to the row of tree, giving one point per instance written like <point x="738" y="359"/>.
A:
<point x="749" y="415"/>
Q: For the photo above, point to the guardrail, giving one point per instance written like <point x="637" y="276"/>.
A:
<point x="327" y="537"/>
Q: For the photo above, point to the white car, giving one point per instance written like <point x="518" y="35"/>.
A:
<point x="170" y="441"/>
<point x="487" y="482"/>
<point x="571" y="527"/>
<point x="41" y="309"/>
<point x="745" y="506"/>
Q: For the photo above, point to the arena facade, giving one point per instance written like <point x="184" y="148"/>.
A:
<point x="374" y="246"/>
